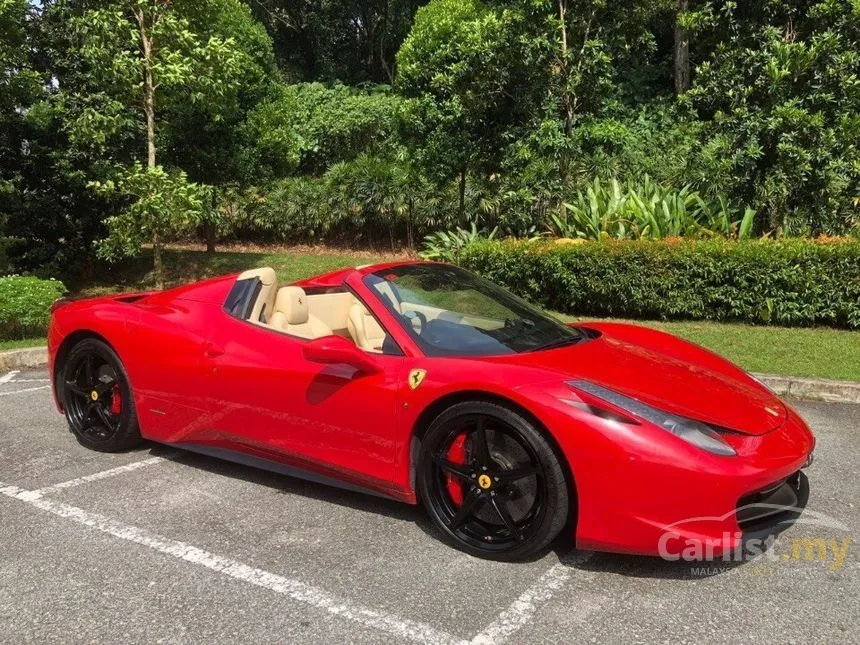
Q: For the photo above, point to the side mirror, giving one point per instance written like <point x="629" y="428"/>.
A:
<point x="335" y="349"/>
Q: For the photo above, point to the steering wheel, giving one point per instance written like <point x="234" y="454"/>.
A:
<point x="412" y="317"/>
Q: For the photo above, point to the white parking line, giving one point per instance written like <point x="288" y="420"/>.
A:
<point x="119" y="470"/>
<point x="8" y="377"/>
<point x="26" y="389"/>
<point x="523" y="609"/>
<point x="400" y="628"/>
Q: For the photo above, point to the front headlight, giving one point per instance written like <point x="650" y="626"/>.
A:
<point x="691" y="431"/>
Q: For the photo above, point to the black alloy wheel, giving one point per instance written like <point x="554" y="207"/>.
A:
<point x="96" y="397"/>
<point x="491" y="482"/>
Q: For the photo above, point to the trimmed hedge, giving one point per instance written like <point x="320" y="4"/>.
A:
<point x="785" y="282"/>
<point x="25" y="305"/>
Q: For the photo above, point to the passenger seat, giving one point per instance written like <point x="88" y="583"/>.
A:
<point x="292" y="315"/>
<point x="364" y="329"/>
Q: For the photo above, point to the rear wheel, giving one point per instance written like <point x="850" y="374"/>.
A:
<point x="491" y="482"/>
<point x="96" y="397"/>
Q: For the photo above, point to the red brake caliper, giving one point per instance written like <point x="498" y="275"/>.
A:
<point x="457" y="455"/>
<point x="116" y="405"/>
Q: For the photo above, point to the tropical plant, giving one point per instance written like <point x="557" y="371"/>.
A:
<point x="646" y="210"/>
<point x="448" y="245"/>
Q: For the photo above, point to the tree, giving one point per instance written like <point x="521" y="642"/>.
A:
<point x="779" y="91"/>
<point x="462" y="65"/>
<point x="143" y="53"/>
<point x="682" y="49"/>
<point x="354" y="41"/>
<point x="20" y="86"/>
<point x="309" y="127"/>
<point x="206" y="138"/>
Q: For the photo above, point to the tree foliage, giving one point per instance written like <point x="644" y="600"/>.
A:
<point x="380" y="121"/>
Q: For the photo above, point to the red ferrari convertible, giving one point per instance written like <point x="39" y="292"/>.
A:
<point x="421" y="381"/>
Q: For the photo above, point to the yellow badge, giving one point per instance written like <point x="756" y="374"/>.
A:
<point x="94" y="395"/>
<point x="485" y="482"/>
<point x="416" y="377"/>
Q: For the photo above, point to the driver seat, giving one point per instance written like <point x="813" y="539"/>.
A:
<point x="364" y="329"/>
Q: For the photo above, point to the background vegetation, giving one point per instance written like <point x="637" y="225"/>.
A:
<point x="376" y="122"/>
<point x="129" y="124"/>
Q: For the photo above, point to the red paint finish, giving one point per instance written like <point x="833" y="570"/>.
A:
<point x="202" y="378"/>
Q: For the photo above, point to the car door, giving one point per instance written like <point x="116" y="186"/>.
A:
<point x="269" y="401"/>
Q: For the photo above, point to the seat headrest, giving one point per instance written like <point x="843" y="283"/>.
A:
<point x="293" y="303"/>
<point x="266" y="275"/>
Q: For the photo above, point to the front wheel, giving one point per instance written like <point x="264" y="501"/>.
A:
<point x="491" y="482"/>
<point x="96" y="397"/>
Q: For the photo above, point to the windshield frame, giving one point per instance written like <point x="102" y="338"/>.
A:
<point x="564" y="335"/>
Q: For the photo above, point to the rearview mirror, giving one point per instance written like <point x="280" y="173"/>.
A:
<point x="335" y="349"/>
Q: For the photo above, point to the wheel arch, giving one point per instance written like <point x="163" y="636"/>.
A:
<point x="437" y="407"/>
<point x="66" y="346"/>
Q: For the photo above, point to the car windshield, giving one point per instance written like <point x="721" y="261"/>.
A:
<point x="451" y="312"/>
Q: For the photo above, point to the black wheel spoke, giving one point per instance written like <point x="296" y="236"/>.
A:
<point x="507" y="476"/>
<point x="77" y="390"/>
<point x="499" y="502"/>
<point x="460" y="470"/>
<point x="89" y="370"/>
<point x="88" y="410"/>
<point x="103" y="416"/>
<point x="467" y="509"/>
<point x="480" y="447"/>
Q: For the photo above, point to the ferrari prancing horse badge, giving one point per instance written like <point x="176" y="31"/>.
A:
<point x="415" y="378"/>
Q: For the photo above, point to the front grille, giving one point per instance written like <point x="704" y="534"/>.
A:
<point x="769" y="507"/>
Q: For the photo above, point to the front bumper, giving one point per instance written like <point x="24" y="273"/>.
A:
<point x="650" y="501"/>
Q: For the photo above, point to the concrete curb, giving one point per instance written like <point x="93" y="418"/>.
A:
<point x="812" y="389"/>
<point x="791" y="386"/>
<point x="24" y="358"/>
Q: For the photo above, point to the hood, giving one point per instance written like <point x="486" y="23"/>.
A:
<point x="667" y="373"/>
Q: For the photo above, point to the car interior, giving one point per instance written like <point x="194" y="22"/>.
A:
<point x="259" y="299"/>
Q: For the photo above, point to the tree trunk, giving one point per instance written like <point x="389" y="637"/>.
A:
<point x="682" y="52"/>
<point x="149" y="111"/>
<point x="461" y="211"/>
<point x="210" y="229"/>
<point x="567" y="99"/>
<point x="410" y="233"/>
<point x="156" y="261"/>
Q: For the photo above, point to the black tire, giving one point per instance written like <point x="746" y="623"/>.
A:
<point x="96" y="396"/>
<point x="519" y="508"/>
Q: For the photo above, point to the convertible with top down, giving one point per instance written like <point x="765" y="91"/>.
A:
<point x="422" y="382"/>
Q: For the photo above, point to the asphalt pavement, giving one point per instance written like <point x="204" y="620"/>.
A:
<point x="161" y="546"/>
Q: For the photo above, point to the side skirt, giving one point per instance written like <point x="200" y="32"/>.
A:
<point x="269" y="465"/>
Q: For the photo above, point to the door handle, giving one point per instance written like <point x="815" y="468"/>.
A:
<point x="210" y="350"/>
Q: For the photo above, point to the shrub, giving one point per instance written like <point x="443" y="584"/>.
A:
<point x="25" y="305"/>
<point x="785" y="282"/>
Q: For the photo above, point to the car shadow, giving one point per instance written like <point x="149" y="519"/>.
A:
<point x="289" y="485"/>
<point x="563" y="548"/>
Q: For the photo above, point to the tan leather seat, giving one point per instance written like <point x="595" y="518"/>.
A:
<point x="364" y="329"/>
<point x="292" y="315"/>
<point x="264" y="307"/>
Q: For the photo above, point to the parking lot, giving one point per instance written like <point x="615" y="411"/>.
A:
<point x="157" y="545"/>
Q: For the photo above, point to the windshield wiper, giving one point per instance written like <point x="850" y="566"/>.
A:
<point x="561" y="342"/>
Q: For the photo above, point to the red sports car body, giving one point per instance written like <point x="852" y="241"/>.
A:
<point x="635" y="440"/>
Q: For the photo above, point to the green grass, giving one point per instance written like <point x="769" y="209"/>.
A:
<point x="21" y="343"/>
<point x="813" y="353"/>
<point x="182" y="266"/>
